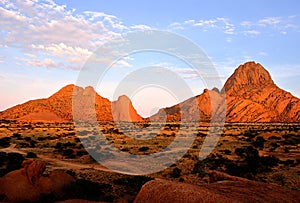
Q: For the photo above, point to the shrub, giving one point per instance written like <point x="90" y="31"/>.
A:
<point x="199" y="169"/>
<point x="33" y="143"/>
<point x="81" y="152"/>
<point x="279" y="178"/>
<point x="175" y="173"/>
<point x="16" y="135"/>
<point x="227" y="152"/>
<point x="27" y="139"/>
<point x="31" y="155"/>
<point x="5" y="142"/>
<point x="134" y="181"/>
<point x="143" y="149"/>
<point x="259" y="142"/>
<point x="250" y="133"/>
<point x="68" y="153"/>
<point x="14" y="161"/>
<point x="251" y="163"/>
<point x="58" y="146"/>
<point x="88" y="190"/>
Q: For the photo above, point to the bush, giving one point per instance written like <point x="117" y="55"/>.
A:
<point x="16" y="135"/>
<point x="5" y="142"/>
<point x="68" y="153"/>
<point x="251" y="163"/>
<point x="279" y="178"/>
<point x="58" y="146"/>
<point x="259" y="142"/>
<point x="81" y="152"/>
<point x="14" y="161"/>
<point x="31" y="155"/>
<point x="175" y="173"/>
<point x="227" y="152"/>
<point x="250" y="134"/>
<point x="199" y="169"/>
<point x="88" y="190"/>
<point x="134" y="181"/>
<point x="33" y="143"/>
<point x="27" y="139"/>
<point x="143" y="149"/>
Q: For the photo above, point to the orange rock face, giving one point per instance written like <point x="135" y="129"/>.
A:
<point x="226" y="191"/>
<point x="123" y="110"/>
<point x="251" y="96"/>
<point x="28" y="183"/>
<point x="85" y="103"/>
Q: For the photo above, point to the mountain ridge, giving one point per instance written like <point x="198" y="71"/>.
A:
<point x="249" y="93"/>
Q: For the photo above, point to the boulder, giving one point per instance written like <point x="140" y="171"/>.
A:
<point x="224" y="191"/>
<point x="30" y="183"/>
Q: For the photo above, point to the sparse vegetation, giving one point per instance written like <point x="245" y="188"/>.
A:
<point x="266" y="153"/>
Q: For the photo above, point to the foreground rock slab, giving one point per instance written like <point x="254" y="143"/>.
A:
<point x="222" y="192"/>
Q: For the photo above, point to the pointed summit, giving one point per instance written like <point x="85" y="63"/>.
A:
<point x="123" y="110"/>
<point x="66" y="91"/>
<point x="247" y="75"/>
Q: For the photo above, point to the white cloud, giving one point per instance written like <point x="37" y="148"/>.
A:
<point x="207" y="24"/>
<point x="176" y="26"/>
<point x="49" y="29"/>
<point x="47" y="62"/>
<point x="229" y="28"/>
<point x="270" y="21"/>
<point x="191" y="22"/>
<point x="140" y="27"/>
<point x="246" y="24"/>
<point x="30" y="55"/>
<point x="251" y="32"/>
<point x="280" y="24"/>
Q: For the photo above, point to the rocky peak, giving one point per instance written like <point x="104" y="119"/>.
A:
<point x="249" y="74"/>
<point x="123" y="98"/>
<point x="123" y="110"/>
<point x="65" y="91"/>
<point x="89" y="90"/>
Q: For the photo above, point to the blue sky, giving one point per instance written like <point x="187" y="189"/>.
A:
<point x="44" y="44"/>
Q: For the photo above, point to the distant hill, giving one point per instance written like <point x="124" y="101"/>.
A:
<point x="251" y="96"/>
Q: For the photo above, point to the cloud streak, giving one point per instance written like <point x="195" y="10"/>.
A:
<point x="281" y="24"/>
<point x="46" y="30"/>
<point x="222" y="24"/>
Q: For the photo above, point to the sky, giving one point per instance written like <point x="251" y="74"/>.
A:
<point x="44" y="44"/>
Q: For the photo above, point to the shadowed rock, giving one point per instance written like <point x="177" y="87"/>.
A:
<point x="29" y="184"/>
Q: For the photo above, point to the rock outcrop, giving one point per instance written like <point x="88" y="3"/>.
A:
<point x="73" y="102"/>
<point x="252" y="96"/>
<point x="249" y="95"/>
<point x="123" y="110"/>
<point x="30" y="183"/>
<point x="222" y="192"/>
